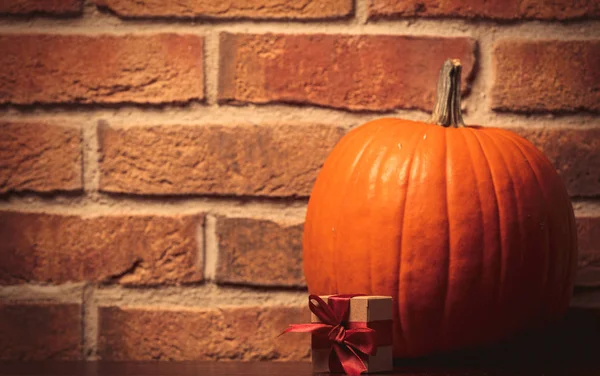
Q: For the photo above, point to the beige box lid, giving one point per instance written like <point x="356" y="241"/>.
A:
<point x="365" y="308"/>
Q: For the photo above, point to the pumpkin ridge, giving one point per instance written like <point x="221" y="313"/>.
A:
<point x="525" y="237"/>
<point x="381" y="162"/>
<point x="554" y="249"/>
<point x="498" y="217"/>
<point x="411" y="142"/>
<point x="419" y="139"/>
<point x="432" y="270"/>
<point x="544" y="194"/>
<point x="566" y="210"/>
<point x="477" y="196"/>
<point x="477" y="191"/>
<point x="513" y="199"/>
<point x="442" y="334"/>
<point x="378" y="162"/>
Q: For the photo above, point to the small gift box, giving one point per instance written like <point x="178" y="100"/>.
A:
<point x="350" y="333"/>
<point x="373" y="312"/>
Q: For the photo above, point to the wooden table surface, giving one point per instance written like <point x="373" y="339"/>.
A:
<point x="268" y="368"/>
<point x="572" y="348"/>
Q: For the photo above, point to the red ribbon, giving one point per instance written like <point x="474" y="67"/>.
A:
<point x="349" y="345"/>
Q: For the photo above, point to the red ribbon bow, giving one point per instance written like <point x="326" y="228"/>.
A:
<point x="349" y="345"/>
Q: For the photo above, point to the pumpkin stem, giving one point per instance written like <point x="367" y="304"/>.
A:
<point x="447" y="111"/>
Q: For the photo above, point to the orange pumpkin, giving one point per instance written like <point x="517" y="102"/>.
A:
<point x="469" y="229"/>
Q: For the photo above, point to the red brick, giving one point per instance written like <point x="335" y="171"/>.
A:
<point x="219" y="9"/>
<point x="39" y="157"/>
<point x="226" y="333"/>
<point x="574" y="153"/>
<point x="280" y="160"/>
<point x="588" y="236"/>
<point x="548" y="75"/>
<point x="53" y="7"/>
<point x="589" y="276"/>
<point x="355" y="72"/>
<point x="494" y="9"/>
<point x="259" y="252"/>
<point x="47" y="68"/>
<point x="126" y="249"/>
<point x="40" y="331"/>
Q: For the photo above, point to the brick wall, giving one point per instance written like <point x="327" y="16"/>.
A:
<point x="156" y="156"/>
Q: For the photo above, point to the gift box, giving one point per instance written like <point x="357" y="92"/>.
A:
<point x="373" y="312"/>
